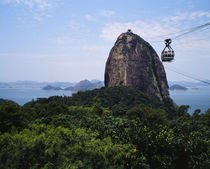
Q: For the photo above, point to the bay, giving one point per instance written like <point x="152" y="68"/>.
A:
<point x="24" y="95"/>
<point x="196" y="99"/>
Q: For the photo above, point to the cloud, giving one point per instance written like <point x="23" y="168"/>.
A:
<point x="191" y="45"/>
<point x="39" y="9"/>
<point x="156" y="30"/>
<point x="40" y="4"/>
<point x="74" y="25"/>
<point x="187" y="16"/>
<point x="89" y="17"/>
<point x="147" y="30"/>
<point x="200" y="14"/>
<point x="103" y="13"/>
<point x="107" y="13"/>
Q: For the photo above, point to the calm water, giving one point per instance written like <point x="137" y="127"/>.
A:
<point x="197" y="99"/>
<point x="24" y="95"/>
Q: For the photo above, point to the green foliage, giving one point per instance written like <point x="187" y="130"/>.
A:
<point x="182" y="110"/>
<point x="118" y="99"/>
<point x="147" y="115"/>
<point x="51" y="109"/>
<point x="106" y="128"/>
<point x="11" y="116"/>
<point x="44" y="146"/>
<point x="2" y="100"/>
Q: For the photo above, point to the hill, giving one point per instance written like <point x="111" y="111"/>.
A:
<point x="119" y="99"/>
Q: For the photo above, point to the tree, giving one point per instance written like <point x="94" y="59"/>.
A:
<point x="11" y="116"/>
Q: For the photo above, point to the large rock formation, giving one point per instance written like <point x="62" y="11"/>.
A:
<point x="133" y="62"/>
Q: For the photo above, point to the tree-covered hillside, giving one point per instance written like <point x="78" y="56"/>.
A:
<point x="105" y="128"/>
<point x="118" y="99"/>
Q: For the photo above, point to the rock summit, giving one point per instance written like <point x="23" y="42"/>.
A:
<point x="133" y="62"/>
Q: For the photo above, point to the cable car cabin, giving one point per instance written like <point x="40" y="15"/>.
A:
<point x="167" y="54"/>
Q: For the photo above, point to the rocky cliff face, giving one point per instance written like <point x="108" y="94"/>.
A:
<point x="133" y="62"/>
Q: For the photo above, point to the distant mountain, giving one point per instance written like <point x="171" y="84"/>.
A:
<point x="81" y="86"/>
<point x="69" y="88"/>
<point x="95" y="81"/>
<point x="188" y="83"/>
<point x="177" y="87"/>
<point x="48" y="87"/>
<point x="63" y="85"/>
<point x="34" y="84"/>
<point x="87" y="85"/>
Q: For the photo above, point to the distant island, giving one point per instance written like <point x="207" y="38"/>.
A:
<point x="80" y="86"/>
<point x="177" y="87"/>
<point x="49" y="87"/>
<point x="34" y="84"/>
<point x="70" y="86"/>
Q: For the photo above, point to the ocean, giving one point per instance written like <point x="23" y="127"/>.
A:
<point x="195" y="98"/>
<point x="24" y="95"/>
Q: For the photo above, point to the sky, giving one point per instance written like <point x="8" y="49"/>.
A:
<point x="70" y="40"/>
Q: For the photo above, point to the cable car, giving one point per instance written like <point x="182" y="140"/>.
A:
<point x="167" y="54"/>
<point x="129" y="31"/>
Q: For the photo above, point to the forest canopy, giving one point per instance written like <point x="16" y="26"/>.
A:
<point x="115" y="127"/>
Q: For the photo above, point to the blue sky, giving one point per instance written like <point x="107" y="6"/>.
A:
<point x="66" y="40"/>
